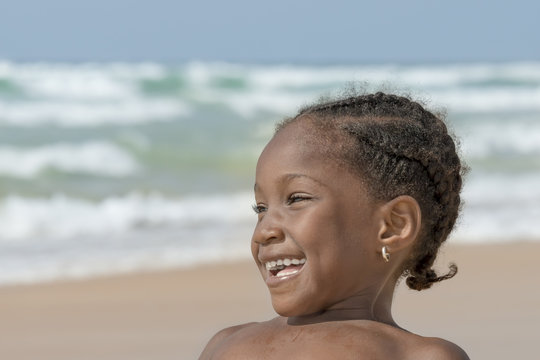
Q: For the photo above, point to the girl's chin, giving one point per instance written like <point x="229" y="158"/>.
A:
<point x="285" y="311"/>
<point x="290" y="311"/>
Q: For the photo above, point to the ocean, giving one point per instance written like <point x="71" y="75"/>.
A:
<point x="118" y="167"/>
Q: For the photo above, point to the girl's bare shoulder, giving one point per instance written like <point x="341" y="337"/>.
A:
<point x="436" y="348"/>
<point x="408" y="345"/>
<point x="232" y="336"/>
<point x="370" y="339"/>
<point x="391" y="342"/>
<point x="219" y="338"/>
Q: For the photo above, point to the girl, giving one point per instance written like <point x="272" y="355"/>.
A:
<point x="351" y="195"/>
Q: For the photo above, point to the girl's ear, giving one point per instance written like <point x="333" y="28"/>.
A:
<point x="401" y="220"/>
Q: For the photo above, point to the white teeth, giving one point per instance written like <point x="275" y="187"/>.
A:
<point x="287" y="262"/>
<point x="280" y="264"/>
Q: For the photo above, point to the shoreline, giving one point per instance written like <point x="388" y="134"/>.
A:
<point x="490" y="308"/>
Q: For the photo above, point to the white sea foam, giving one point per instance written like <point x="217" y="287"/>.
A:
<point x="73" y="114"/>
<point x="452" y="75"/>
<point x="279" y="101"/>
<point x="64" y="237"/>
<point x="74" y="86"/>
<point x="496" y="139"/>
<point x="292" y="77"/>
<point x="488" y="100"/>
<point x="98" y="158"/>
<point x="250" y="104"/>
<point x="79" y="81"/>
<point x="84" y="95"/>
<point x="461" y="87"/>
<point x="312" y="77"/>
<point x="68" y="263"/>
<point x="146" y="249"/>
<point x="88" y="94"/>
<point x="61" y="217"/>
<point x="457" y="101"/>
<point x="305" y="77"/>
<point x="500" y="207"/>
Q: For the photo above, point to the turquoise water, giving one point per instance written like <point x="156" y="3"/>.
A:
<point x="112" y="167"/>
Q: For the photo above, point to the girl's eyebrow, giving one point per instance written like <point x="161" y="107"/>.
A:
<point x="289" y="177"/>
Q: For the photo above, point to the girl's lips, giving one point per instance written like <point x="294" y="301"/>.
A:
<point x="276" y="278"/>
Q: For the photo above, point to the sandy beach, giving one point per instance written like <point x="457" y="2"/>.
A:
<point x="491" y="309"/>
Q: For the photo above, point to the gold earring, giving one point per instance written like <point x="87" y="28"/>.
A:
<point x="385" y="254"/>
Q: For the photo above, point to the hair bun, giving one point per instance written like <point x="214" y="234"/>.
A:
<point x="424" y="280"/>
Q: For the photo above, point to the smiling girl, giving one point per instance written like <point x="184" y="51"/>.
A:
<point x="351" y="195"/>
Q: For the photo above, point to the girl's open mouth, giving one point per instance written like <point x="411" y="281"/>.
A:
<point x="284" y="268"/>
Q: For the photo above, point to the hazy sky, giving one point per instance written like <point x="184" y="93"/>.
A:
<point x="269" y="31"/>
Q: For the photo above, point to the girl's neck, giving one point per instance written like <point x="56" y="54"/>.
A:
<point x="372" y="305"/>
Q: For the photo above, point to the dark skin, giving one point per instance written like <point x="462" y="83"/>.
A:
<point x="337" y="303"/>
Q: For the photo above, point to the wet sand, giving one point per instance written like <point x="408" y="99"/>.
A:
<point x="491" y="309"/>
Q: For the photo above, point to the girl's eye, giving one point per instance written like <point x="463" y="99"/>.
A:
<point x="258" y="208"/>
<point x="294" y="198"/>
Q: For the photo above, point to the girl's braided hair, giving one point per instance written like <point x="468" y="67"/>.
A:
<point x="399" y="148"/>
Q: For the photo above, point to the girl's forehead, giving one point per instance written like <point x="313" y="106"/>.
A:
<point x="293" y="144"/>
<point x="311" y="142"/>
<point x="292" y="152"/>
<point x="306" y="136"/>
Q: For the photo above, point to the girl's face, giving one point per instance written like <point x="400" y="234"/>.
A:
<point x="315" y="241"/>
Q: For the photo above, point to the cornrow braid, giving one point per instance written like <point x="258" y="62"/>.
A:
<point x="399" y="148"/>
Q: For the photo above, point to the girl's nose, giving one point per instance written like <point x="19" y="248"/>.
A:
<point x="269" y="229"/>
